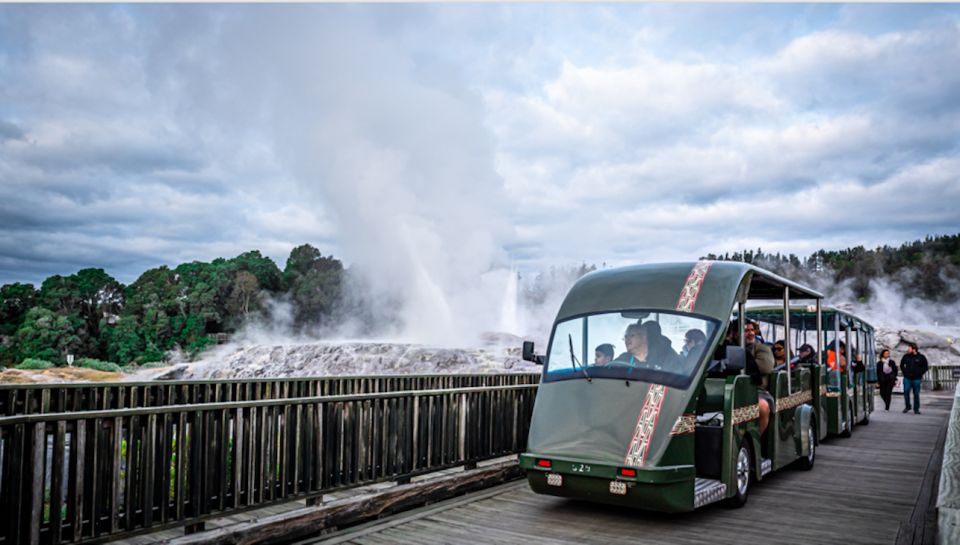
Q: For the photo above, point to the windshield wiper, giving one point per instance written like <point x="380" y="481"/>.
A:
<point x="573" y="359"/>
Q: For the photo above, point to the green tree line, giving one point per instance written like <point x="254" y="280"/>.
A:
<point x="91" y="315"/>
<point x="927" y="269"/>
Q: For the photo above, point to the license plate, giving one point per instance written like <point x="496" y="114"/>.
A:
<point x="554" y="479"/>
<point x="618" y="487"/>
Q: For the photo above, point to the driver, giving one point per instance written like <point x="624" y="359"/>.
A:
<point x="603" y="354"/>
<point x="635" y="338"/>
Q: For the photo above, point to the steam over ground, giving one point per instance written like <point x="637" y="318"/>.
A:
<point x="527" y="308"/>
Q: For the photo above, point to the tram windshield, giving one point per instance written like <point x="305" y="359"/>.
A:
<point x="651" y="346"/>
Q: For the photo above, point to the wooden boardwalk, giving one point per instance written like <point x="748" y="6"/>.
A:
<point x="872" y="488"/>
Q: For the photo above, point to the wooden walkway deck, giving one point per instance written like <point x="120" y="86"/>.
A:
<point x="876" y="487"/>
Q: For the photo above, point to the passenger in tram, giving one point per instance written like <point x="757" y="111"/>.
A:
<point x="857" y="366"/>
<point x="660" y="347"/>
<point x="805" y="356"/>
<point x="779" y="357"/>
<point x="635" y="339"/>
<point x="603" y="354"/>
<point x="694" y="341"/>
<point x="760" y="364"/>
<point x="832" y="356"/>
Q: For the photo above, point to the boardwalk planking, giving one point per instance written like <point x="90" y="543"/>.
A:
<point x="862" y="491"/>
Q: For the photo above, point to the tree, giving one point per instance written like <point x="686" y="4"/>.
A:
<point x="122" y="340"/>
<point x="263" y="268"/>
<point x="245" y="288"/>
<point x="15" y="300"/>
<point x="47" y="335"/>
<point x="314" y="282"/>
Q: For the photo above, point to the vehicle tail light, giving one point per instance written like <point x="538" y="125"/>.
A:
<point x="545" y="464"/>
<point x="627" y="472"/>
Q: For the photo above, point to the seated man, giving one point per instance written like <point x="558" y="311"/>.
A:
<point x="661" y="350"/>
<point x="635" y="339"/>
<point x="759" y="367"/>
<point x="805" y="356"/>
<point x="603" y="354"/>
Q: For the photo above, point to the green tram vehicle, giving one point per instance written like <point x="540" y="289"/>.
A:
<point x="842" y="397"/>
<point x="659" y="428"/>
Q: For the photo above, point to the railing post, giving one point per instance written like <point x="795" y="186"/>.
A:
<point x="38" y="454"/>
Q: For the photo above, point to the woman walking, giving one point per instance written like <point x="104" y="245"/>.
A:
<point x="886" y="376"/>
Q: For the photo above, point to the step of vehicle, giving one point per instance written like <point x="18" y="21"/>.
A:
<point x="766" y="466"/>
<point x="708" y="491"/>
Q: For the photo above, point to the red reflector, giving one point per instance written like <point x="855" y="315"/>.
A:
<point x="627" y="472"/>
<point x="544" y="463"/>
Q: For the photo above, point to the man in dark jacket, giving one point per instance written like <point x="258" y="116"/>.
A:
<point x="913" y="366"/>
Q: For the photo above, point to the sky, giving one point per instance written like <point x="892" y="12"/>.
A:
<point x="433" y="145"/>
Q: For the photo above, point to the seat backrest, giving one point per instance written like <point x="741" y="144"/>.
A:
<point x="711" y="396"/>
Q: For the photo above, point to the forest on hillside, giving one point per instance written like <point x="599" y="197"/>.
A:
<point x="106" y="324"/>
<point x="927" y="269"/>
<point x="91" y="315"/>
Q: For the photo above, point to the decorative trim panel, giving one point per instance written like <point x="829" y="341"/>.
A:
<point x="646" y="424"/>
<point x="746" y="413"/>
<point x="686" y="424"/>
<point x="691" y="288"/>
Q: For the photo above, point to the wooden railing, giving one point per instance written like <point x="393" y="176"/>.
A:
<point x="942" y="377"/>
<point x="948" y="496"/>
<point x="86" y="396"/>
<point x="86" y="476"/>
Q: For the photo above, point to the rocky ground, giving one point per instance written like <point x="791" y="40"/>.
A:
<point x="58" y="374"/>
<point x="499" y="355"/>
<point x="941" y="347"/>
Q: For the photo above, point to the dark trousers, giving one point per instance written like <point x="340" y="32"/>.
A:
<point x="912" y="385"/>
<point x="886" y="392"/>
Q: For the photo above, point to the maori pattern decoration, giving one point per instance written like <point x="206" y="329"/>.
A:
<point x="794" y="400"/>
<point x="691" y="288"/>
<point x="646" y="423"/>
<point x="686" y="424"/>
<point x="746" y="413"/>
<point x="650" y="413"/>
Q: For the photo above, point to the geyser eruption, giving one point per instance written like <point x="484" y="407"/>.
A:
<point x="401" y="163"/>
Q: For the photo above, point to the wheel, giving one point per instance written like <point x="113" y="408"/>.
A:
<point x="742" y="472"/>
<point x="806" y="463"/>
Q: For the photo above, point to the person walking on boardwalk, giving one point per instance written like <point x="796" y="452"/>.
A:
<point x="886" y="377"/>
<point x="913" y="365"/>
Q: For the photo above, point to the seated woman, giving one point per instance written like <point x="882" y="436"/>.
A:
<point x="779" y="354"/>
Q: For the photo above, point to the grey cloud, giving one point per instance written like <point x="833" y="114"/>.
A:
<point x="10" y="131"/>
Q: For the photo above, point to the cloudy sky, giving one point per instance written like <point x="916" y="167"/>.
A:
<point x="465" y="138"/>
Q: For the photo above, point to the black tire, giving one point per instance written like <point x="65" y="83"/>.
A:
<point x="806" y="463"/>
<point x="741" y="470"/>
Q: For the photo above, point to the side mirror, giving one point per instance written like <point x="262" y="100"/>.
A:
<point x="528" y="354"/>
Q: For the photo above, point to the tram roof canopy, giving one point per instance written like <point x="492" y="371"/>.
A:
<point x="658" y="287"/>
<point x="803" y="317"/>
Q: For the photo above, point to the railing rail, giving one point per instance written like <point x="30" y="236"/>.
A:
<point x="942" y="377"/>
<point x="85" y="476"/>
<point x="68" y="397"/>
<point x="948" y="496"/>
